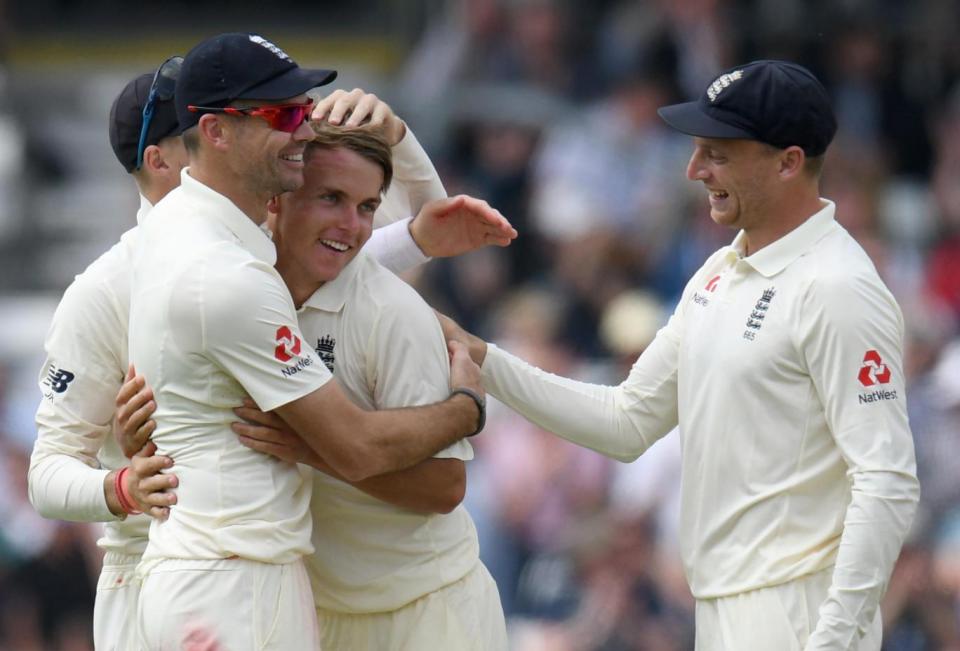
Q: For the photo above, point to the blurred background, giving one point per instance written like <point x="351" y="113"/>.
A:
<point x="546" y="108"/>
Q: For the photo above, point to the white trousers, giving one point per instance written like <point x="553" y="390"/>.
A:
<point x="778" y="618"/>
<point x="237" y="604"/>
<point x="115" y="608"/>
<point x="463" y="616"/>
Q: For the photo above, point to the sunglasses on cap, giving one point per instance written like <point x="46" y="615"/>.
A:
<point x="161" y="90"/>
<point x="281" y="117"/>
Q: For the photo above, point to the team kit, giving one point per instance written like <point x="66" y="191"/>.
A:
<point x="274" y="427"/>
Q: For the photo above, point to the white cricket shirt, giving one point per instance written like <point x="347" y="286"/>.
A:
<point x="211" y="322"/>
<point x="385" y="347"/>
<point x="86" y="363"/>
<point x="784" y="372"/>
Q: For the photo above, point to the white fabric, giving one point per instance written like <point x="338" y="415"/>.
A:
<point x="115" y="608"/>
<point x="385" y="347"/>
<point x="394" y="247"/>
<point x="241" y="605"/>
<point x="86" y="349"/>
<point x="780" y="617"/>
<point x="463" y="616"/>
<point x="211" y="322"/>
<point x="415" y="182"/>
<point x="790" y="464"/>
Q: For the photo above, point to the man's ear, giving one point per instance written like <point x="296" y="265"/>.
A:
<point x="791" y="162"/>
<point x="213" y="129"/>
<point x="153" y="159"/>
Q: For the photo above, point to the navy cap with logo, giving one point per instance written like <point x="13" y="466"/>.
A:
<point x="126" y="120"/>
<point x="775" y="102"/>
<point x="236" y="66"/>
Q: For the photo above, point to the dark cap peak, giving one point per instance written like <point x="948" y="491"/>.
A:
<point x="776" y="102"/>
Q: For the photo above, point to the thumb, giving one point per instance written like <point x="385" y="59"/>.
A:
<point x="131" y="372"/>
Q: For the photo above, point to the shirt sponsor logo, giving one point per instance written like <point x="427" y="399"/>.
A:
<point x="759" y="313"/>
<point x="325" y="351"/>
<point x="874" y="372"/>
<point x="58" y="379"/>
<point x="711" y="285"/>
<point x="288" y="345"/>
<point x="301" y="364"/>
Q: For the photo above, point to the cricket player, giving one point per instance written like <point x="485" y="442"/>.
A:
<point x="76" y="462"/>
<point x="211" y="322"/>
<point x="396" y="562"/>
<point x="782" y="365"/>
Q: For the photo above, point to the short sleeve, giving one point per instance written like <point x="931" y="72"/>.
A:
<point x="249" y="329"/>
<point x="407" y="358"/>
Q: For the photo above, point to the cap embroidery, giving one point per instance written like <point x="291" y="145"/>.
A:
<point x="722" y="82"/>
<point x="259" y="40"/>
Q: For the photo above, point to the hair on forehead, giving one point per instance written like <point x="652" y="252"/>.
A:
<point x="367" y="143"/>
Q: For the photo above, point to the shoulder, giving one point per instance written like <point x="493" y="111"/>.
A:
<point x="389" y="295"/>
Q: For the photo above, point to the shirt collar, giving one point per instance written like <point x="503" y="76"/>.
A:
<point x="145" y="207"/>
<point x="252" y="237"/>
<point x="333" y="295"/>
<point x="777" y="256"/>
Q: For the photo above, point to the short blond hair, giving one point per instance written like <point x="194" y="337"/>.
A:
<point x="367" y="143"/>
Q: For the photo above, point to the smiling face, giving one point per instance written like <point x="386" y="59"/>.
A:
<point x="320" y="227"/>
<point x="741" y="178"/>
<point x="270" y="161"/>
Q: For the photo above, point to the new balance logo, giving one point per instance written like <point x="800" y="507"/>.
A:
<point x="288" y="345"/>
<point x="873" y="371"/>
<point x="58" y="379"/>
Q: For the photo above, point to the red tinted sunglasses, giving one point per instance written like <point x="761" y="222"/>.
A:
<point x="282" y="117"/>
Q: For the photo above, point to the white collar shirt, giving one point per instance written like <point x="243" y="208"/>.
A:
<point x="211" y="321"/>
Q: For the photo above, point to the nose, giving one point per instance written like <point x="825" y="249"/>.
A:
<point x="695" y="168"/>
<point x="304" y="133"/>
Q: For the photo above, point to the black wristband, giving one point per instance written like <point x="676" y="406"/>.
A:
<point x="481" y="406"/>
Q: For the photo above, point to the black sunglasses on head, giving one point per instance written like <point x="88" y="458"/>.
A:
<point x="161" y="89"/>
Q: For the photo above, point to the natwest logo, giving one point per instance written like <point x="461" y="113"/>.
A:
<point x="873" y="371"/>
<point x="711" y="285"/>
<point x="288" y="344"/>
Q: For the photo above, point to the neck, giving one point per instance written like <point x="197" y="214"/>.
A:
<point x="794" y="211"/>
<point x="243" y="196"/>
<point x="298" y="284"/>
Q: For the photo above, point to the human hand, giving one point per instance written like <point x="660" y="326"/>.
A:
<point x="268" y="433"/>
<point x="447" y="227"/>
<point x="149" y="487"/>
<point x="357" y="108"/>
<point x="132" y="424"/>
<point x="452" y="331"/>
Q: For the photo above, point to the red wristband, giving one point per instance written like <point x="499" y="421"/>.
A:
<point x="123" y="496"/>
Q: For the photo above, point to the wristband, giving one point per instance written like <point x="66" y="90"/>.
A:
<point x="481" y="407"/>
<point x="120" y="488"/>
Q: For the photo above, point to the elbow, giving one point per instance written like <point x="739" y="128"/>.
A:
<point x="452" y="496"/>
<point x="34" y="495"/>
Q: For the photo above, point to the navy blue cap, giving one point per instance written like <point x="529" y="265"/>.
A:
<point x="775" y="102"/>
<point x="236" y="66"/>
<point x="126" y="120"/>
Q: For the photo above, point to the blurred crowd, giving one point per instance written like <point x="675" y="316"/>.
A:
<point x="547" y="109"/>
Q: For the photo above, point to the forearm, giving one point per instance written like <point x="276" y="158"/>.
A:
<point x="393" y="246"/>
<point x="877" y="520"/>
<point x="62" y="487"/>
<point x="609" y="420"/>
<point x="431" y="486"/>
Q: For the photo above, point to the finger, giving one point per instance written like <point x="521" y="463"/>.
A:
<point x="142" y="436"/>
<point x="324" y="105"/>
<point x="139" y="415"/>
<point x="131" y="373"/>
<point x="156" y="485"/>
<point x="362" y="110"/>
<point x="144" y="467"/>
<point x="259" y="417"/>
<point x="381" y="113"/>
<point x="267" y="434"/>
<point x="148" y="450"/>
<point x="343" y="106"/>
<point x="130" y="389"/>
<point x="159" y="512"/>
<point x="279" y="451"/>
